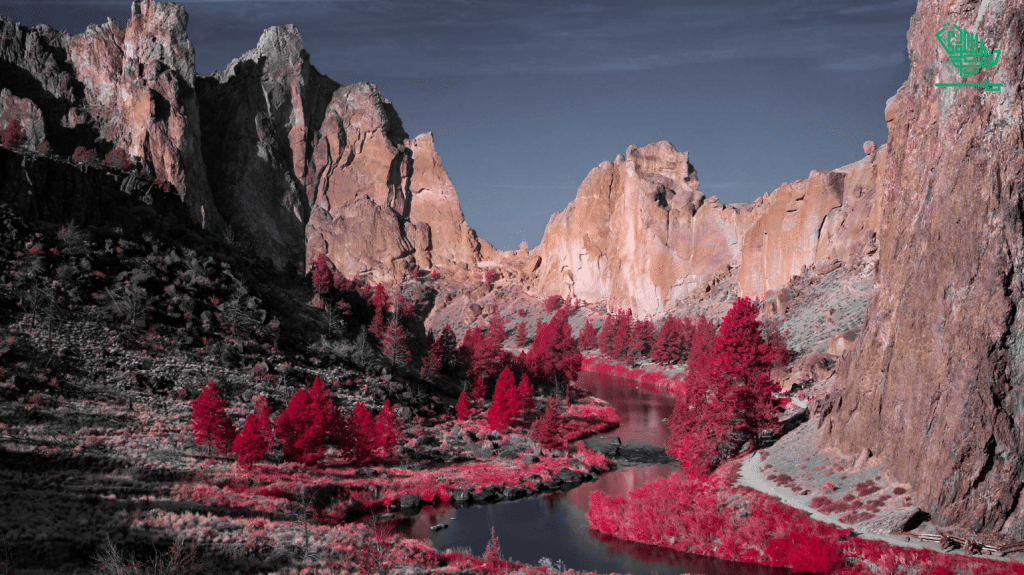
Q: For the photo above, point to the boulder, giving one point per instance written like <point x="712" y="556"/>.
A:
<point x="409" y="500"/>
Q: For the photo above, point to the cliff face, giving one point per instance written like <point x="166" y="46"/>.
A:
<point x="293" y="162"/>
<point x="934" y="384"/>
<point x="641" y="235"/>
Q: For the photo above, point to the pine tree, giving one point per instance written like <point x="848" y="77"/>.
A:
<point x="521" y="337"/>
<point x="641" y="341"/>
<point x="306" y="424"/>
<point x="606" y="339"/>
<point x="525" y="393"/>
<point x="478" y="391"/>
<point x="394" y="343"/>
<point x="462" y="409"/>
<point x="667" y="349"/>
<point x="547" y="429"/>
<point x="387" y="431"/>
<point x="448" y="345"/>
<point x="554" y="355"/>
<point x="727" y="394"/>
<point x="362" y="435"/>
<point x="504" y="403"/>
<point x="380" y="305"/>
<point x="588" y="337"/>
<point x="210" y="423"/>
<point x="703" y="339"/>
<point x="496" y="329"/>
<point x="623" y="336"/>
<point x="432" y="364"/>
<point x="322" y="279"/>
<point x="256" y="437"/>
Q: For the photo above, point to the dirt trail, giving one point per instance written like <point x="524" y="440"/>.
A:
<point x="751" y="476"/>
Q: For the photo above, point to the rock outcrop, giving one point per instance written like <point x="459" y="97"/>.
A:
<point x="641" y="235"/>
<point x="269" y="152"/>
<point x="933" y="386"/>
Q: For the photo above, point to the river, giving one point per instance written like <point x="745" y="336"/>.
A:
<point x="554" y="525"/>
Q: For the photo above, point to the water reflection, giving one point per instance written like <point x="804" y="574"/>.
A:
<point x="555" y="526"/>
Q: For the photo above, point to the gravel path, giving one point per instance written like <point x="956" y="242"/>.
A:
<point x="751" y="476"/>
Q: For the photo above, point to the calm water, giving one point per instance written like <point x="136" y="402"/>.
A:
<point x="554" y="525"/>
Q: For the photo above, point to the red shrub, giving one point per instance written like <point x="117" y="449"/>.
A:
<point x="13" y="136"/>
<point x="210" y="423"/>
<point x="83" y="156"/>
<point x="305" y="425"/>
<point x="45" y="148"/>
<point x="490" y="276"/>
<point x="553" y="303"/>
<point x="118" y="158"/>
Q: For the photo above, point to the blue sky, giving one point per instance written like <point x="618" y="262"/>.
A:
<point x="525" y="97"/>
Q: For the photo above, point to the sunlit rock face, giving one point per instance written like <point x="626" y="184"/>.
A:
<point x="641" y="235"/>
<point x="268" y="151"/>
<point x="933" y="387"/>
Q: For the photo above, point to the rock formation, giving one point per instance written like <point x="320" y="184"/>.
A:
<point x="641" y="235"/>
<point x="933" y="386"/>
<point x="269" y="152"/>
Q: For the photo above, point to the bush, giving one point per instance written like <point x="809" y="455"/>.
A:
<point x="118" y="158"/>
<point x="83" y="156"/>
<point x="13" y="136"/>
<point x="553" y="303"/>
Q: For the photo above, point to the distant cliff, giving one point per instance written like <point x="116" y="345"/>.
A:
<point x="641" y="235"/>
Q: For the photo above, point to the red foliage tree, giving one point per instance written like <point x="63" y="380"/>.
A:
<point x="623" y="336"/>
<point x="521" y="337"/>
<point x="727" y="394"/>
<point x="380" y="304"/>
<point x="256" y="437"/>
<point x="525" y="393"/>
<point x="547" y="429"/>
<point x="641" y="341"/>
<point x="323" y="278"/>
<point x="588" y="337"/>
<point x="306" y="424"/>
<point x="83" y="156"/>
<point x="210" y="423"/>
<point x="554" y="355"/>
<point x="485" y="354"/>
<point x="478" y="391"/>
<point x="668" y="348"/>
<point x="702" y="340"/>
<point x="394" y="343"/>
<point x="362" y="435"/>
<point x="13" y="136"/>
<point x="606" y="339"/>
<point x="462" y="409"/>
<point x="387" y="429"/>
<point x="432" y="364"/>
<point x="781" y="355"/>
<point x="118" y="158"/>
<point x="496" y="329"/>
<point x="504" y="402"/>
<point x="553" y="303"/>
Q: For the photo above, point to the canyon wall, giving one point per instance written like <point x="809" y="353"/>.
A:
<point x="933" y="387"/>
<point x="640" y="234"/>
<point x="268" y="151"/>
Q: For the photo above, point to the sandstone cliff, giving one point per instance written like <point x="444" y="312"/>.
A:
<point x="934" y="384"/>
<point x="267" y="151"/>
<point x="641" y="235"/>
